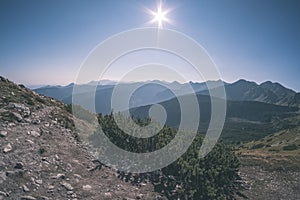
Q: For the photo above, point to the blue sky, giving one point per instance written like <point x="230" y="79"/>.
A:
<point x="45" y="42"/>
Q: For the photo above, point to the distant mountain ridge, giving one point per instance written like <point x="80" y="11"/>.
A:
<point x="267" y="92"/>
<point x="150" y="92"/>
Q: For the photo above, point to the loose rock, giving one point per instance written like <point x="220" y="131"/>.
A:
<point x="62" y="176"/>
<point x="39" y="181"/>
<point x="66" y="185"/>
<point x="25" y="188"/>
<point x="86" y="187"/>
<point x="7" y="148"/>
<point x="18" y="116"/>
<point x="28" y="198"/>
<point x="35" y="133"/>
<point x="3" y="133"/>
<point x="3" y="194"/>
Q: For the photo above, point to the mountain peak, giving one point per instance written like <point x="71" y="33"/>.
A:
<point x="70" y="85"/>
<point x="277" y="88"/>
<point x="267" y="83"/>
<point x="243" y="81"/>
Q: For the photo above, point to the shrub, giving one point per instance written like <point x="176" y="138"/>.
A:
<point x="274" y="150"/>
<point x="290" y="147"/>
<point x="258" y="146"/>
<point x="190" y="177"/>
<point x="39" y="99"/>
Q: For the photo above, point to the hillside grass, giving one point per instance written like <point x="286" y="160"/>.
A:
<point x="279" y="151"/>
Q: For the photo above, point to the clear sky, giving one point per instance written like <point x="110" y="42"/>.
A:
<point x="45" y="42"/>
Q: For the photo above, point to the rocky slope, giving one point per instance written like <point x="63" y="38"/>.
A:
<point x="262" y="184"/>
<point x="271" y="166"/>
<point x="41" y="156"/>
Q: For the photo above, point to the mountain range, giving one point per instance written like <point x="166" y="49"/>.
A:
<point x="152" y="92"/>
<point x="267" y="92"/>
<point x="253" y="110"/>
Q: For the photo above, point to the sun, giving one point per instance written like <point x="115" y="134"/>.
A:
<point x="160" y="15"/>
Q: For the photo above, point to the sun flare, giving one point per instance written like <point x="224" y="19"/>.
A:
<point x="159" y="16"/>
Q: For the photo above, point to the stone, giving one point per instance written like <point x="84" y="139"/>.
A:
<point x="25" y="188"/>
<point x="27" y="120"/>
<point x="66" y="185"/>
<point x="18" y="116"/>
<point x="39" y="181"/>
<point x="26" y="112"/>
<point x="36" y="121"/>
<point x="3" y="194"/>
<point x="62" y="176"/>
<point x="70" y="192"/>
<point x="51" y="187"/>
<point x="34" y="133"/>
<point x="11" y="124"/>
<point x="28" y="198"/>
<point x="7" y="148"/>
<point x="13" y="105"/>
<point x="3" y="133"/>
<point x="86" y="187"/>
<point x="78" y="176"/>
<point x="29" y="141"/>
<point x="108" y="194"/>
<point x="74" y="195"/>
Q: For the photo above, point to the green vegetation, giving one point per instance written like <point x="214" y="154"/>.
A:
<point x="245" y="120"/>
<point x="257" y="146"/>
<point x="190" y="177"/>
<point x="279" y="151"/>
<point x="290" y="147"/>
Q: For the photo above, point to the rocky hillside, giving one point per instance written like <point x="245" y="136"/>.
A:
<point x="271" y="166"/>
<point x="277" y="151"/>
<point x="41" y="156"/>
